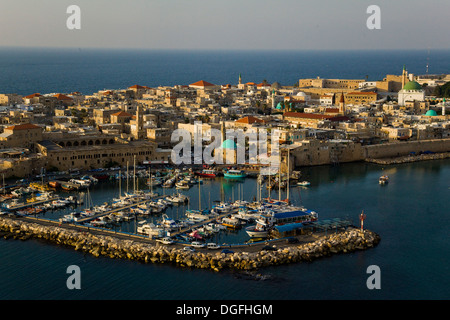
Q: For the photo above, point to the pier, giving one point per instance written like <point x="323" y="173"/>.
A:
<point x="99" y="243"/>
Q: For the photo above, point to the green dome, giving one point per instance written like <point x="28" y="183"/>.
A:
<point x="228" y="144"/>
<point x="279" y="106"/>
<point x="412" y="85"/>
<point x="431" y="113"/>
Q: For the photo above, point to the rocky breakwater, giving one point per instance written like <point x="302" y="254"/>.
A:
<point x="103" y="245"/>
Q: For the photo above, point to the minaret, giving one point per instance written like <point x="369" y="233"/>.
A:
<point x="273" y="98"/>
<point x="443" y="107"/>
<point x="240" y="79"/>
<point x="404" y="75"/>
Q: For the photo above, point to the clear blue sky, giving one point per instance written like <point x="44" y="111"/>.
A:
<point x="231" y="24"/>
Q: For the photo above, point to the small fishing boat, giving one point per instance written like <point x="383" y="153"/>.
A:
<point x="234" y="174"/>
<point x="383" y="179"/>
<point x="207" y="173"/>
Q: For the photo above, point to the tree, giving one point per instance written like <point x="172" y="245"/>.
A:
<point x="442" y="91"/>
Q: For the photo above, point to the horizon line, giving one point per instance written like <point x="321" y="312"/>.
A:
<point x="215" y="49"/>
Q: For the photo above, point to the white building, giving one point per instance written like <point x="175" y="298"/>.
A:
<point x="412" y="91"/>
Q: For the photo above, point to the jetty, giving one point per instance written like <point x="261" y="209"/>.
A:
<point x="117" y="246"/>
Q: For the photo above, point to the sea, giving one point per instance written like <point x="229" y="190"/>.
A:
<point x="410" y="213"/>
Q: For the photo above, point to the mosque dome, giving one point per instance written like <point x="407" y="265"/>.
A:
<point x="412" y="85"/>
<point x="279" y="106"/>
<point x="228" y="144"/>
<point x="301" y="94"/>
<point x="431" y="113"/>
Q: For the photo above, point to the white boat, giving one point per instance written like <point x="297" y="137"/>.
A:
<point x="177" y="198"/>
<point x="150" y="229"/>
<point x="231" y="222"/>
<point x="182" y="185"/>
<point x="168" y="223"/>
<point x="303" y="183"/>
<point x="197" y="215"/>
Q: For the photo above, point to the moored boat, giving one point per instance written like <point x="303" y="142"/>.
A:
<point x="234" y="174"/>
<point x="207" y="173"/>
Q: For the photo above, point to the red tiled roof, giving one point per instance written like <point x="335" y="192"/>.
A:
<point x="33" y="95"/>
<point x="306" y="115"/>
<point x="60" y="96"/>
<point x="250" y="120"/>
<point x="24" y="126"/>
<point x="136" y="86"/>
<point x="202" y="83"/>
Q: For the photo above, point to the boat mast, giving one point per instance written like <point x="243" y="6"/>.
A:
<point x="127" y="176"/>
<point x="199" y="197"/>
<point x="120" y="184"/>
<point x="134" y="174"/>
<point x="288" y="173"/>
<point x="279" y="178"/>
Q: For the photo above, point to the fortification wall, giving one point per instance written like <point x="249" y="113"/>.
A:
<point x="398" y="149"/>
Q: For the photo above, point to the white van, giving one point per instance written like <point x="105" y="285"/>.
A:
<point x="212" y="246"/>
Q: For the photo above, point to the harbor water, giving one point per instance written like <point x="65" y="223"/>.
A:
<point x="410" y="214"/>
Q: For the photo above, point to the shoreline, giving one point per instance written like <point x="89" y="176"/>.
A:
<point x="97" y="244"/>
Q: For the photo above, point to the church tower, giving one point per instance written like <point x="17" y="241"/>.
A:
<point x="342" y="104"/>
<point x="139" y="124"/>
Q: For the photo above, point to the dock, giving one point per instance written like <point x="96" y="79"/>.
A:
<point x="104" y="213"/>
<point x="31" y="204"/>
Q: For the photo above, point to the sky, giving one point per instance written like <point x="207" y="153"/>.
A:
<point x="230" y="24"/>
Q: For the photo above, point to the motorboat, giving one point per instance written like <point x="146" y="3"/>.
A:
<point x="234" y="174"/>
<point x="207" y="173"/>
<point x="383" y="179"/>
<point x="303" y="183"/>
<point x="150" y="229"/>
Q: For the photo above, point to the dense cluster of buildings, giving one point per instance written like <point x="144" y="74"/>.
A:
<point x="320" y="120"/>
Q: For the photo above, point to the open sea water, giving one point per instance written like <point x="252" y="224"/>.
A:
<point x="47" y="70"/>
<point x="411" y="213"/>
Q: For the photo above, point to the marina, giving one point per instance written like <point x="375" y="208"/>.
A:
<point x="162" y="210"/>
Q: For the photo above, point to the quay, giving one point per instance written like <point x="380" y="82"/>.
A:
<point x="31" y="204"/>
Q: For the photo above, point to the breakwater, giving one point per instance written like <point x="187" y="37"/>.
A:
<point x="410" y="158"/>
<point x="101" y="245"/>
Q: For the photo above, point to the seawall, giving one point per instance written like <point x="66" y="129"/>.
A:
<point x="99" y="245"/>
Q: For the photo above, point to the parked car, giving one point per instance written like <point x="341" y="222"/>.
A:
<point x="166" y="240"/>
<point x="190" y="249"/>
<point x="212" y="246"/>
<point x="227" y="251"/>
<point x="197" y="244"/>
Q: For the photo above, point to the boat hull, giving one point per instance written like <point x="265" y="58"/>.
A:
<point x="253" y="233"/>
<point x="205" y="175"/>
<point x="234" y="176"/>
